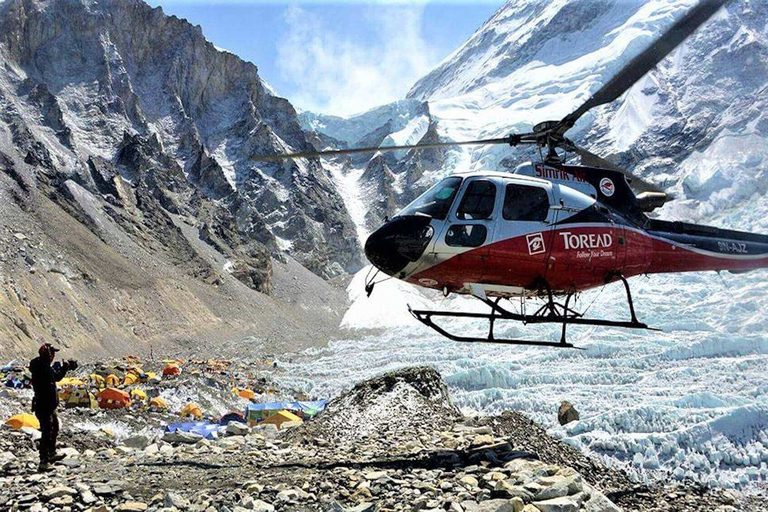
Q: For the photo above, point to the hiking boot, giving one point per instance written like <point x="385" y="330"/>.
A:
<point x="44" y="467"/>
<point x="56" y="457"/>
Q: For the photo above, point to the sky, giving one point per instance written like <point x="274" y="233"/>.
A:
<point x="337" y="58"/>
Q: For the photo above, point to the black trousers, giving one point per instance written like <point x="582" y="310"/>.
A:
<point x="49" y="430"/>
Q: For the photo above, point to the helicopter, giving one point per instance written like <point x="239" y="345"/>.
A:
<point x="548" y="230"/>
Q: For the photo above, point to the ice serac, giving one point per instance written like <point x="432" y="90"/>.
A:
<point x="386" y="181"/>
<point x="119" y="80"/>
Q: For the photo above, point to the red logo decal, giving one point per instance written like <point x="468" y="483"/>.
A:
<point x="535" y="243"/>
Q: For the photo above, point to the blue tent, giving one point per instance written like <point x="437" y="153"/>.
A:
<point x="203" y="428"/>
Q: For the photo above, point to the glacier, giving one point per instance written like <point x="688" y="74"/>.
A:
<point x="688" y="402"/>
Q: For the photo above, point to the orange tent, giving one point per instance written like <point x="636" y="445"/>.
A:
<point x="171" y="369"/>
<point x="244" y="393"/>
<point x="23" y="420"/>
<point x="112" y="398"/>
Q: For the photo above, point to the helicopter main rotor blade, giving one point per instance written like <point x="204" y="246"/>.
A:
<point x="646" y="61"/>
<point x="512" y="140"/>
<point x="638" y="184"/>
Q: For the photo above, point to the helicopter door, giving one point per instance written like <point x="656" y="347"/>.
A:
<point x="468" y="231"/>
<point x="522" y="240"/>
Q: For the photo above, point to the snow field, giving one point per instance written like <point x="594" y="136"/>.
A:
<point x="690" y="402"/>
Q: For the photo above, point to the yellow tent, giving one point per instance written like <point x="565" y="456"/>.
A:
<point x="281" y="417"/>
<point x="192" y="410"/>
<point x="112" y="380"/>
<point x="23" y="420"/>
<point x="151" y="377"/>
<point x="139" y="395"/>
<point x="81" y="398"/>
<point x="97" y="380"/>
<point x="70" y="382"/>
<point x="158" y="403"/>
<point x="130" y="379"/>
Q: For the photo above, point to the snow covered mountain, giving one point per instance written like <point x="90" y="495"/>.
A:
<point x="688" y="403"/>
<point x="696" y="124"/>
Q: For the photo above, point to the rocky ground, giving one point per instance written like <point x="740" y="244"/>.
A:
<point x="392" y="443"/>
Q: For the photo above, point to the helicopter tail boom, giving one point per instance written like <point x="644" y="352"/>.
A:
<point x="681" y="247"/>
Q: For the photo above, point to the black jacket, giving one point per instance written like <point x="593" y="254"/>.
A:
<point x="44" y="379"/>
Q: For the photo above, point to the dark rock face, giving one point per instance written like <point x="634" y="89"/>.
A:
<point x="567" y="413"/>
<point x="141" y="111"/>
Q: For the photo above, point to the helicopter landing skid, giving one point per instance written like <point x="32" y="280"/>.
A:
<point x="551" y="312"/>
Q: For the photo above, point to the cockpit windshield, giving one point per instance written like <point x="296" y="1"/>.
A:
<point x="435" y="202"/>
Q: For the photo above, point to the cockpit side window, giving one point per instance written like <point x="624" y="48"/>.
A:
<point x="435" y="202"/>
<point x="525" y="203"/>
<point x="478" y="201"/>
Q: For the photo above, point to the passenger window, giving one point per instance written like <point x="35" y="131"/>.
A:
<point x="478" y="201"/>
<point x="522" y="202"/>
<point x="466" y="235"/>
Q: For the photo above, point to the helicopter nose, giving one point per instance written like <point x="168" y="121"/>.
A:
<point x="399" y="242"/>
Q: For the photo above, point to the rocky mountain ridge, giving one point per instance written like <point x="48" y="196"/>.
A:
<point x="132" y="125"/>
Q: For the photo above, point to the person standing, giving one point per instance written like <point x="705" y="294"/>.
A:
<point x="45" y="375"/>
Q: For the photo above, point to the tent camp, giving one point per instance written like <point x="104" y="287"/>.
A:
<point x="112" y="398"/>
<point x="22" y="420"/>
<point x="255" y="413"/>
<point x="81" y="398"/>
<point x="97" y="380"/>
<point x="151" y="377"/>
<point x="280" y="418"/>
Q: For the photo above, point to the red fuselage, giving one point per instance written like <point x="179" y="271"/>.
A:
<point x="516" y="234"/>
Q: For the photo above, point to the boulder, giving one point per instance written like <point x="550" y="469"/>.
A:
<point x="562" y="504"/>
<point x="181" y="437"/>
<point x="139" y="442"/>
<point x="174" y="499"/>
<point x="567" y="413"/>
<point x="131" y="506"/>
<point x="262" y="506"/>
<point x="59" y="490"/>
<point x="499" y="505"/>
<point x="235" y="428"/>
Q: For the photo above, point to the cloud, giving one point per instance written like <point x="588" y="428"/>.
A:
<point x="338" y="74"/>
